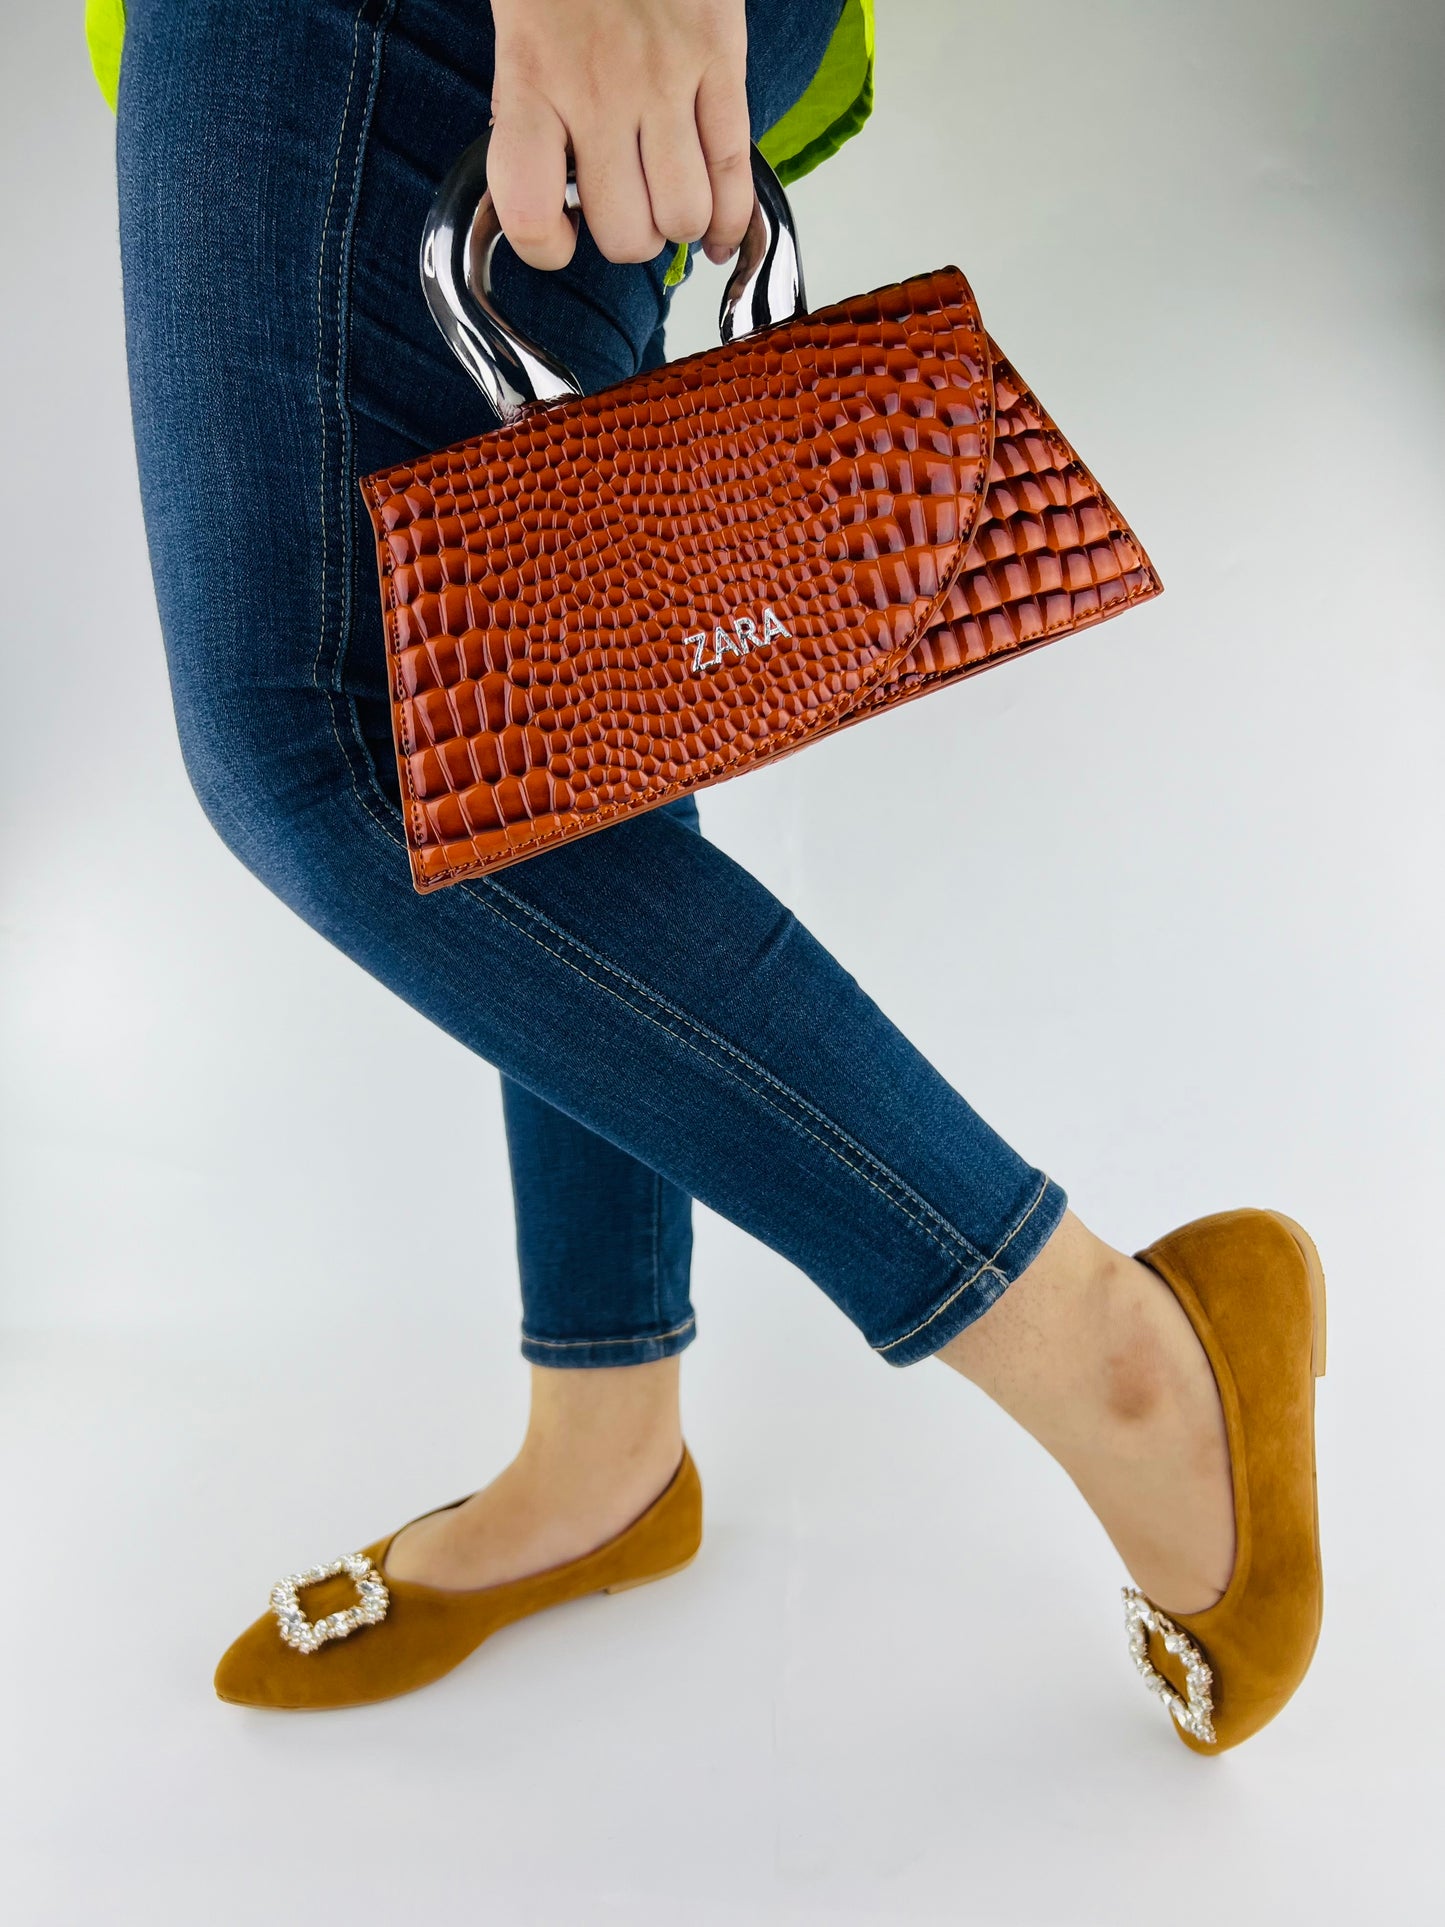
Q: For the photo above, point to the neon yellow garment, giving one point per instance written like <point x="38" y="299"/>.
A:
<point x="835" y="106"/>
<point x="838" y="101"/>
<point x="104" y="32"/>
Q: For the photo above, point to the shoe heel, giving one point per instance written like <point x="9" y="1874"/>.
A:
<point x="646" y="1578"/>
<point x="1317" y="1286"/>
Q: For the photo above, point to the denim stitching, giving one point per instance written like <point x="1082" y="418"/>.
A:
<point x="330" y="695"/>
<point x="483" y="894"/>
<point x="990" y="1266"/>
<point x="968" y="1249"/>
<point x="645" y="1338"/>
<point x="656" y="1245"/>
<point x="890" y="1176"/>
<point x="949" y="1231"/>
<point x="761" y="1096"/>
<point x="343" y="365"/>
<point x="482" y="897"/>
<point x="848" y="1164"/>
<point x="320" y="328"/>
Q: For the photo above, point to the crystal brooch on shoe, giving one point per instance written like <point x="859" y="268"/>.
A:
<point x="304" y="1635"/>
<point x="1193" y="1713"/>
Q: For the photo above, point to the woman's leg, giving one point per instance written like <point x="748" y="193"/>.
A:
<point x="1091" y="1353"/>
<point x="275" y="167"/>
<point x="604" y="1242"/>
<point x="604" y="1248"/>
<point x="604" y="1245"/>
<point x="276" y="164"/>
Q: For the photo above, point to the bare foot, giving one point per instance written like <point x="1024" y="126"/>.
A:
<point x="1092" y="1353"/>
<point x="525" y="1521"/>
<point x="601" y="1446"/>
<point x="1159" y="1476"/>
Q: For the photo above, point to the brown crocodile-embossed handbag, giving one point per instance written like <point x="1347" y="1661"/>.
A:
<point x="614" y="599"/>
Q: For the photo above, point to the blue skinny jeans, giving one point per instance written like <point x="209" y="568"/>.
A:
<point x="665" y="1028"/>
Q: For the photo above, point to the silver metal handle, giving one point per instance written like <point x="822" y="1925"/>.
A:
<point x="460" y="240"/>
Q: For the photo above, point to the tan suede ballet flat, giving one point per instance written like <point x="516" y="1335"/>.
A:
<point x="375" y="1637"/>
<point x="1253" y="1287"/>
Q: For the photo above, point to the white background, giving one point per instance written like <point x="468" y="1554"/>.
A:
<point x="1164" y="901"/>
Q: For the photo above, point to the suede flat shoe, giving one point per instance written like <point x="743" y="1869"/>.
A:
<point x="1253" y="1287"/>
<point x="375" y="1637"/>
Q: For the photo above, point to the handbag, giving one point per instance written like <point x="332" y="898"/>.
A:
<point x="612" y="600"/>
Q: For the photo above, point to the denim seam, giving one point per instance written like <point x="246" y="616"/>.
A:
<point x="343" y="312"/>
<point x="969" y="1250"/>
<point x="949" y="1231"/>
<point x="832" y="1149"/>
<point x="656" y="1245"/>
<point x="639" y="1338"/>
<point x="849" y="1164"/>
<point x="321" y="257"/>
<point x="347" y="265"/>
<point x="484" y="894"/>
<point x="483" y="897"/>
<point x="990" y="1266"/>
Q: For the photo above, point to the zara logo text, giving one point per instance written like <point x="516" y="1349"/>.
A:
<point x="710" y="646"/>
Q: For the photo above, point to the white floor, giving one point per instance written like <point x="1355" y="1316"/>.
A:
<point x="1164" y="901"/>
<point x="893" y="1689"/>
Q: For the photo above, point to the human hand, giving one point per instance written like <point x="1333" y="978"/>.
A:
<point x="651" y="97"/>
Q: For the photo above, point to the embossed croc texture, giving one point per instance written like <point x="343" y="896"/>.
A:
<point x="427" y="1631"/>
<point x="620" y="598"/>
<point x="1253" y="1288"/>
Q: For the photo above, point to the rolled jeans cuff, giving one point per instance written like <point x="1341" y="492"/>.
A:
<point x="972" y="1288"/>
<point x="583" y="1353"/>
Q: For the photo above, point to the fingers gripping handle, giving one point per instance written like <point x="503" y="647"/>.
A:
<point x="459" y="243"/>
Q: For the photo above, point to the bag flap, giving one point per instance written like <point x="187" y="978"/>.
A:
<point x="618" y="599"/>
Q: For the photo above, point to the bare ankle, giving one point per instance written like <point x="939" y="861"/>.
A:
<point x="614" y="1419"/>
<point x="1065" y="1341"/>
<point x="1091" y="1352"/>
<point x="1137" y="1375"/>
<point x="601" y="1446"/>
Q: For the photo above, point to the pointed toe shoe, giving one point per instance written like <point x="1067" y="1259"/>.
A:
<point x="346" y="1633"/>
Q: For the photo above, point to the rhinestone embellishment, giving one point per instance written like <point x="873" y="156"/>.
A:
<point x="304" y="1635"/>
<point x="1193" y="1714"/>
